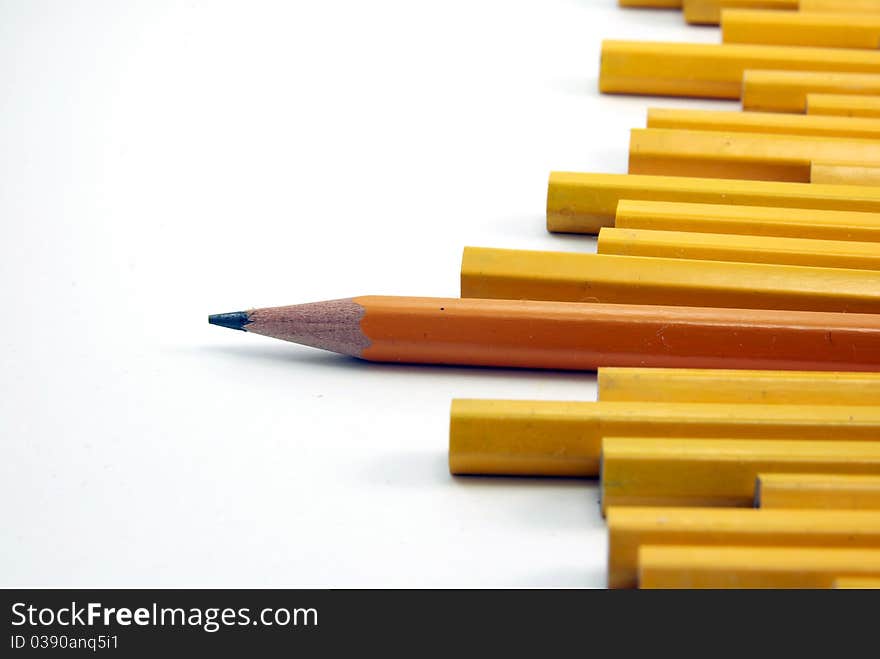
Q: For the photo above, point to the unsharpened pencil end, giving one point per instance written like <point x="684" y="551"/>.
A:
<point x="235" y="320"/>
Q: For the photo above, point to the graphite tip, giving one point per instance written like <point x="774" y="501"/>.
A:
<point x="235" y="320"/>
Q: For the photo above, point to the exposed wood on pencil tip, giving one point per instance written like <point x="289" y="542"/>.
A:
<point x="236" y="320"/>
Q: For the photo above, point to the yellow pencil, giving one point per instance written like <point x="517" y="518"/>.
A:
<point x="564" y="438"/>
<point x="743" y="249"/>
<point x="764" y="122"/>
<point x="580" y="277"/>
<point x="748" y="220"/>
<point x="708" y="12"/>
<point x="585" y="202"/>
<point x="788" y="28"/>
<point x="706" y="385"/>
<point x="713" y="70"/>
<point x="787" y="91"/>
<point x="843" y="105"/>
<point x="859" y="583"/>
<point x="675" y="471"/>
<point x="842" y="173"/>
<point x="818" y="490"/>
<point x="694" y="566"/>
<point x="631" y="527"/>
<point x="737" y="155"/>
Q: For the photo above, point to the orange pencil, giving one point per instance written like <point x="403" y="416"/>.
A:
<point x="570" y="335"/>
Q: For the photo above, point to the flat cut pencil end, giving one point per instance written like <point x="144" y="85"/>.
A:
<point x="235" y="320"/>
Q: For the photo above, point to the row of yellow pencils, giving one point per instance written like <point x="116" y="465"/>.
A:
<point x="719" y="478"/>
<point x="738" y="240"/>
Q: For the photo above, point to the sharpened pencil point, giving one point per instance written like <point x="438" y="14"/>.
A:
<point x="235" y="320"/>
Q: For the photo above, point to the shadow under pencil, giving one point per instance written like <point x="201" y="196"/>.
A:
<point x="329" y="360"/>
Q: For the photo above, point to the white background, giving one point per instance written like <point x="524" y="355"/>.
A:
<point x="160" y="161"/>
